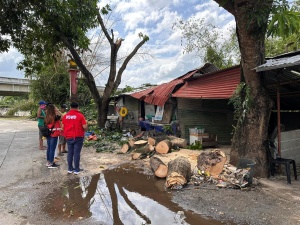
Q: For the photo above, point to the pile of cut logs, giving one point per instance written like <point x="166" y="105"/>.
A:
<point x="177" y="172"/>
<point x="210" y="167"/>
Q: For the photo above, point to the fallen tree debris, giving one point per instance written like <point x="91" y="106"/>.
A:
<point x="158" y="167"/>
<point x="179" y="173"/>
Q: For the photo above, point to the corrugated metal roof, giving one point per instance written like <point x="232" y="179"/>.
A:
<point x="278" y="63"/>
<point x="217" y="85"/>
<point x="160" y="94"/>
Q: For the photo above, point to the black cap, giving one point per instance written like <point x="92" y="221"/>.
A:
<point x="63" y="106"/>
<point x="74" y="105"/>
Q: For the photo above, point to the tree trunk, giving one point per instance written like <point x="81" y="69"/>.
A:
<point x="158" y="167"/>
<point x="179" y="173"/>
<point x="251" y="131"/>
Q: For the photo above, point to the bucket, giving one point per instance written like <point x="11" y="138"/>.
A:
<point x="247" y="163"/>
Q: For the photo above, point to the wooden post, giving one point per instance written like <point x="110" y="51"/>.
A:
<point x="278" y="118"/>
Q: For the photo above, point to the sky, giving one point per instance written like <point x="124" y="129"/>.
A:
<point x="165" y="59"/>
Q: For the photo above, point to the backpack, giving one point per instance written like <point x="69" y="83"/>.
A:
<point x="46" y="132"/>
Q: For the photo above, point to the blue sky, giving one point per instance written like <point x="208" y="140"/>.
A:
<point x="165" y="60"/>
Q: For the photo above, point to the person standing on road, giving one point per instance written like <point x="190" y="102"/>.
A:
<point x="62" y="140"/>
<point x="52" y="120"/>
<point x="41" y="113"/>
<point x="74" y="125"/>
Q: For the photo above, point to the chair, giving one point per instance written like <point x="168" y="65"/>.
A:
<point x="275" y="160"/>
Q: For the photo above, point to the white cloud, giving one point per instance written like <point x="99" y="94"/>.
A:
<point x="155" y="19"/>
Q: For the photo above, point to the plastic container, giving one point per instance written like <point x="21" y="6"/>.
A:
<point x="247" y="163"/>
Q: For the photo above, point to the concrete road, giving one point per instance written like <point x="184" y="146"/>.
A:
<point x="22" y="171"/>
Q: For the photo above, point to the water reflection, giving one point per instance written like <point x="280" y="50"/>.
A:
<point x="120" y="196"/>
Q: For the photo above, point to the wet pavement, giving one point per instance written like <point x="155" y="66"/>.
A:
<point x="30" y="193"/>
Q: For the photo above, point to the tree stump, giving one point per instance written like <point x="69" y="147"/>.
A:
<point x="158" y="167"/>
<point x="179" y="173"/>
<point x="163" y="147"/>
<point x="211" y="162"/>
<point x="140" y="143"/>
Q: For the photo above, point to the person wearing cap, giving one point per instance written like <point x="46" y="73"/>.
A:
<point x="74" y="126"/>
<point x="62" y="140"/>
<point x="41" y="113"/>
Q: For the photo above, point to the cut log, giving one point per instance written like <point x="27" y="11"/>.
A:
<point x="179" y="173"/>
<point x="158" y="167"/>
<point x="145" y="149"/>
<point x="136" y="155"/>
<point x="151" y="141"/>
<point x="140" y="143"/>
<point x="131" y="142"/>
<point x="178" y="142"/>
<point x="163" y="147"/>
<point x="211" y="162"/>
<point x="125" y="148"/>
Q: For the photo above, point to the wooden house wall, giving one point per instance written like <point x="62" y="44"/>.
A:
<point x="130" y="121"/>
<point x="216" y="116"/>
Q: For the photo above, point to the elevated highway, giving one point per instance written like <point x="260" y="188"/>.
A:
<point x="17" y="87"/>
<point x="13" y="86"/>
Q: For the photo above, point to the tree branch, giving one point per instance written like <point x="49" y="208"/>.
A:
<point x="228" y="5"/>
<point x="100" y="20"/>
<point x="126" y="61"/>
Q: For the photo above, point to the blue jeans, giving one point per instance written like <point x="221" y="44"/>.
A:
<point x="74" y="149"/>
<point x="51" y="146"/>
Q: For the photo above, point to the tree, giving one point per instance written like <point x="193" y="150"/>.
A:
<point x="208" y="43"/>
<point x="42" y="29"/>
<point x="252" y="20"/>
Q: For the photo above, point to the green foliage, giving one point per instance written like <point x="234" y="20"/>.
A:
<point x="204" y="39"/>
<point x="51" y="86"/>
<point x="195" y="146"/>
<point x="124" y="90"/>
<point x="278" y="45"/>
<point x="39" y="28"/>
<point x="284" y="20"/>
<point x="241" y="101"/>
<point x="23" y="105"/>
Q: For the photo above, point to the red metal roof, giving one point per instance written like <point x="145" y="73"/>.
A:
<point x="216" y="85"/>
<point x="159" y="95"/>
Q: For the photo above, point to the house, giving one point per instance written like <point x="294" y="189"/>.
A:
<point x="197" y="98"/>
<point x="203" y="102"/>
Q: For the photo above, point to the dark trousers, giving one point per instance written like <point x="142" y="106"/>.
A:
<point x="74" y="149"/>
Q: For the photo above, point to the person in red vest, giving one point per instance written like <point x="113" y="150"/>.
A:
<point x="74" y="126"/>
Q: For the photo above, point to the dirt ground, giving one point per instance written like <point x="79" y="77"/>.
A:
<point x="272" y="201"/>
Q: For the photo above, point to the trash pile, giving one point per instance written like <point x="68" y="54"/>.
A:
<point x="211" y="168"/>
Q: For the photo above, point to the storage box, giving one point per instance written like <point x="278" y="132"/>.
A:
<point x="197" y="137"/>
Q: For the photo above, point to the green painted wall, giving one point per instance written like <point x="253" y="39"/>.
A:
<point x="216" y="116"/>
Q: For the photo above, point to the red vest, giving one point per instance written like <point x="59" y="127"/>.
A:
<point x="73" y="122"/>
<point x="56" y="129"/>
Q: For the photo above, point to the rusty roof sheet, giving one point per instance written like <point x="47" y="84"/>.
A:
<point x="159" y="95"/>
<point x="216" y="85"/>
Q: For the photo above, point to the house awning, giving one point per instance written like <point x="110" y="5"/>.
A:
<point x="216" y="85"/>
<point x="282" y="74"/>
<point x="278" y="63"/>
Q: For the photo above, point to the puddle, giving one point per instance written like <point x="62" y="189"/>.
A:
<point x="119" y="196"/>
